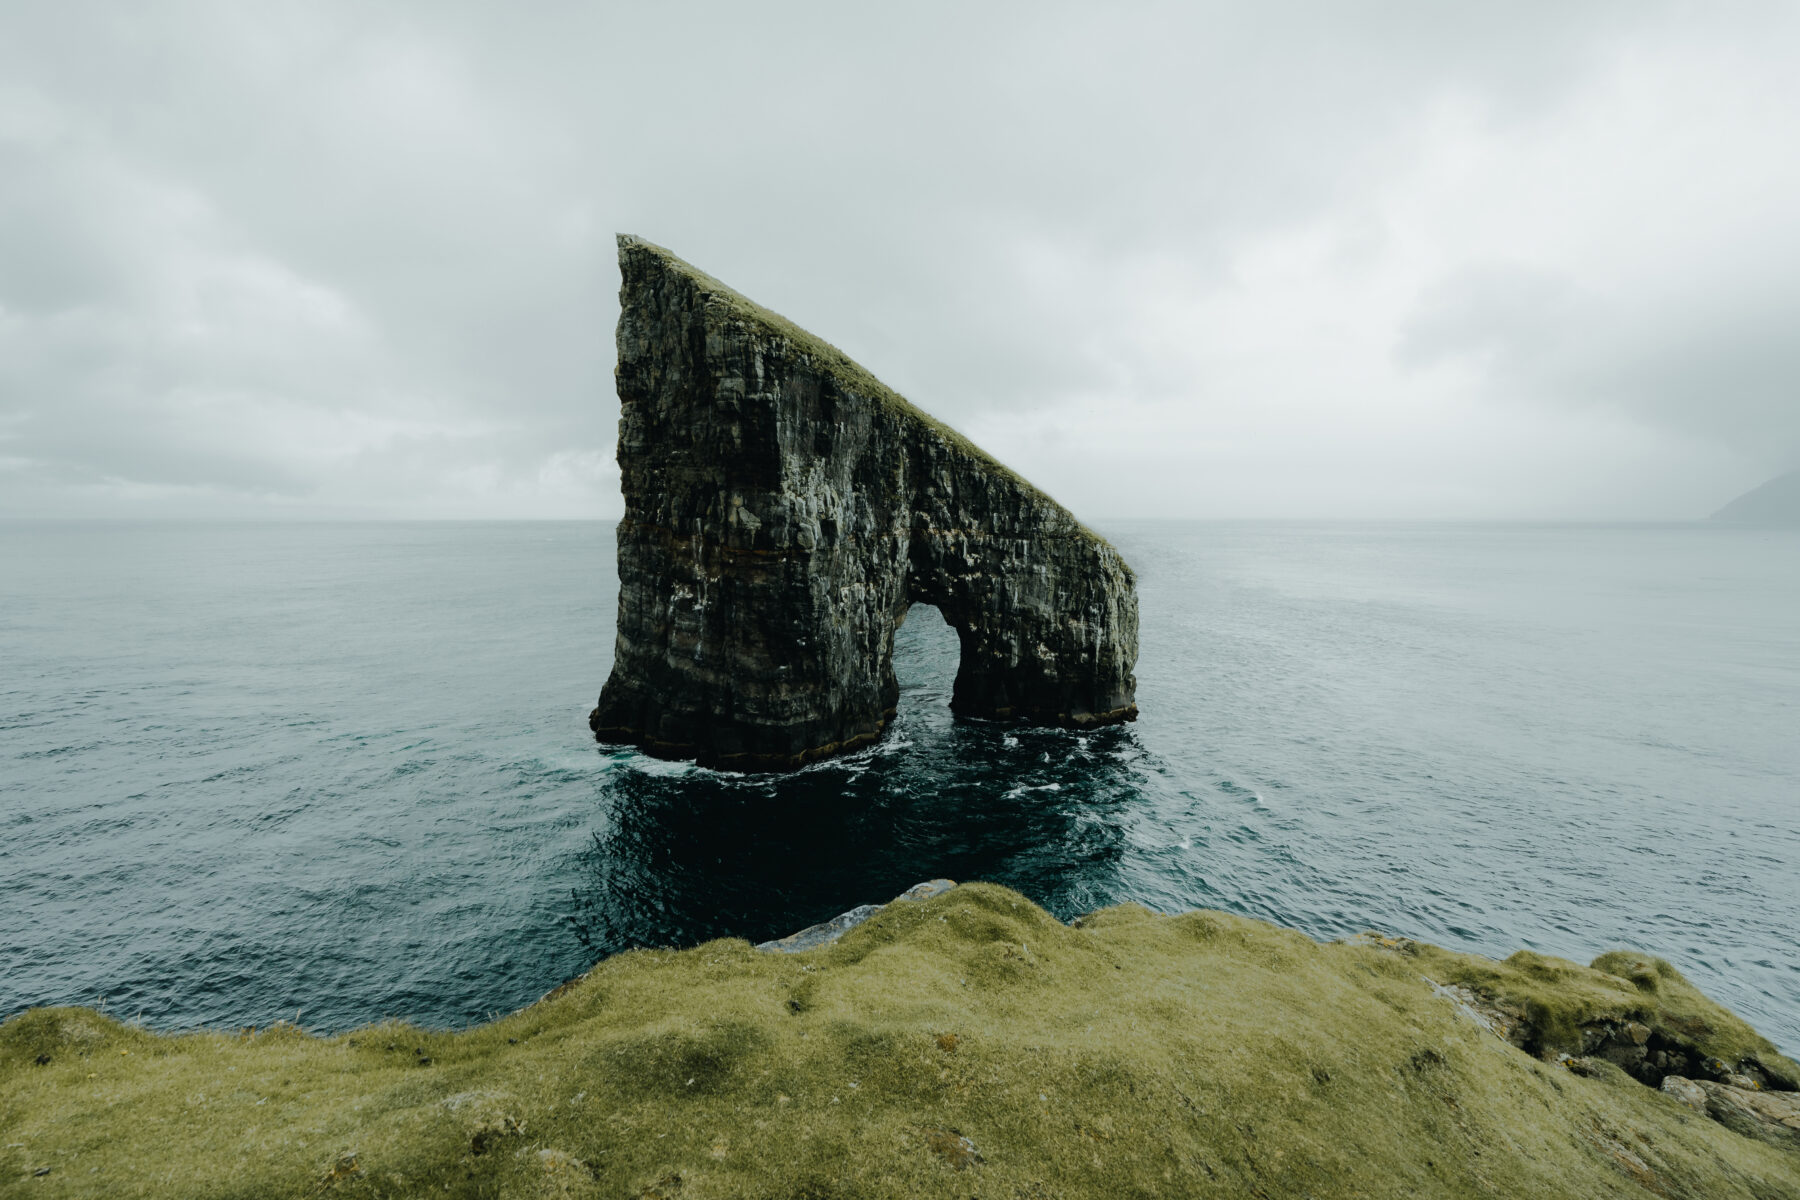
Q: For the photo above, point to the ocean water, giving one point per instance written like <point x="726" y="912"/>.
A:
<point x="337" y="772"/>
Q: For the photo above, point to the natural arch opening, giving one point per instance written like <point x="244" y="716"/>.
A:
<point x="927" y="654"/>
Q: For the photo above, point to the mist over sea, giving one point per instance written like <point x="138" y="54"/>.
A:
<point x="341" y="771"/>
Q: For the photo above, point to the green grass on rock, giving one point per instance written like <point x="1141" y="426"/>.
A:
<point x="967" y="1045"/>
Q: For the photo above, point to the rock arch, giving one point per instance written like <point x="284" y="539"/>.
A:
<point x="783" y="509"/>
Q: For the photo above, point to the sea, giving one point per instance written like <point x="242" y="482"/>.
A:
<point x="334" y="773"/>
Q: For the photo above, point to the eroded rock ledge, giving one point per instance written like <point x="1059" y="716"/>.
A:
<point x="784" y="509"/>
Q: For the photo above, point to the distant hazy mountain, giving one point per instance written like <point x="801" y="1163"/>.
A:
<point x="1776" y="502"/>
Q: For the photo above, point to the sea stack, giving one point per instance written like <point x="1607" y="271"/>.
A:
<point x="784" y="509"/>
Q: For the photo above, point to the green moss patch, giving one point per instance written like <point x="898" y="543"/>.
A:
<point x="965" y="1045"/>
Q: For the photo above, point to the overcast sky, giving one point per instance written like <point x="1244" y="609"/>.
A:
<point x="1231" y="260"/>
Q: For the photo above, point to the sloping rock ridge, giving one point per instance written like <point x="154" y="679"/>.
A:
<point x="784" y="510"/>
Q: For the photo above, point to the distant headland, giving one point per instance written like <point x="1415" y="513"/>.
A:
<point x="1776" y="502"/>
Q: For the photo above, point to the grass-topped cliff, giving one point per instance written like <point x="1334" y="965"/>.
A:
<point x="967" y="1045"/>
<point x="848" y="372"/>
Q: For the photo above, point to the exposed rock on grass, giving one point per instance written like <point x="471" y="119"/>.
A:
<point x="1773" y="1117"/>
<point x="1632" y="1010"/>
<point x="966" y="1044"/>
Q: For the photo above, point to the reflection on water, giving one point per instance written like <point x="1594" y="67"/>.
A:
<point x="683" y="855"/>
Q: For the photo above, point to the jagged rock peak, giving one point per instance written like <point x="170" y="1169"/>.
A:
<point x="783" y="511"/>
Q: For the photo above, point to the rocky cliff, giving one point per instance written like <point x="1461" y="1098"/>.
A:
<point x="784" y="509"/>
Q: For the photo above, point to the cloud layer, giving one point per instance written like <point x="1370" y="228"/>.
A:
<point x="1204" y="260"/>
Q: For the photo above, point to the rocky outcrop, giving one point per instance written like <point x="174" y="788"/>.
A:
<point x="784" y="510"/>
<point x="1743" y="1106"/>
<point x="1627" y="1019"/>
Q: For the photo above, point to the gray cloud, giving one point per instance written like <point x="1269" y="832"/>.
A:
<point x="1715" y="360"/>
<point x="357" y="258"/>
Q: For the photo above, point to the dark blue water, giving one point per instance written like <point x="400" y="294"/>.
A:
<point x="342" y="771"/>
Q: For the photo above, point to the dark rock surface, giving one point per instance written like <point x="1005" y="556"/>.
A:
<point x="784" y="509"/>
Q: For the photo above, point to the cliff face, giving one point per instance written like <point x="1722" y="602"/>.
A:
<point x="784" y="509"/>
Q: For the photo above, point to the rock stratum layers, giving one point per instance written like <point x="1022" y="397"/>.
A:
<point x="784" y="510"/>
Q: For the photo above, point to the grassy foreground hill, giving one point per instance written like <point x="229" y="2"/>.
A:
<point x="965" y="1045"/>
